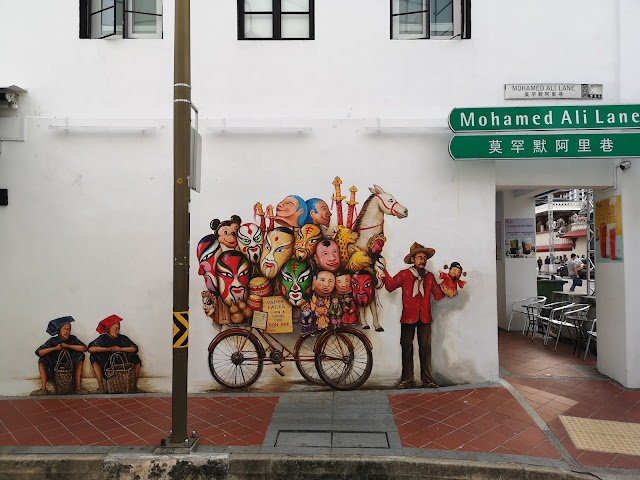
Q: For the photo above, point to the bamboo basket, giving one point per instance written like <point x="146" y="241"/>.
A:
<point x="63" y="374"/>
<point x="120" y="374"/>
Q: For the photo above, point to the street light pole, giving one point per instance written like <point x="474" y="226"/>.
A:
<point x="181" y="197"/>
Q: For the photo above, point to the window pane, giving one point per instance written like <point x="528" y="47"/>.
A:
<point x="258" y="6"/>
<point x="295" y="6"/>
<point x="295" y="26"/>
<point x="412" y="23"/>
<point x="143" y="23"/>
<point x="258" y="26"/>
<point x="441" y="17"/>
<point x="410" y="6"/>
<point x="145" y="6"/>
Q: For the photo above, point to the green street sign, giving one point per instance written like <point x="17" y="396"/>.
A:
<point x="532" y="145"/>
<point x="544" y="118"/>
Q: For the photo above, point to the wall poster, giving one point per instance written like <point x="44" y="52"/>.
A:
<point x="520" y="237"/>
<point x="608" y="226"/>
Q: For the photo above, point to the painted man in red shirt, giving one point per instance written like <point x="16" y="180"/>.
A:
<point x="418" y="285"/>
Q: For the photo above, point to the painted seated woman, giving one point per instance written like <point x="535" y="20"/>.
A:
<point x="61" y="339"/>
<point x="109" y="342"/>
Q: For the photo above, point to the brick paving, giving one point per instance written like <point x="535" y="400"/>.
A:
<point x="487" y="420"/>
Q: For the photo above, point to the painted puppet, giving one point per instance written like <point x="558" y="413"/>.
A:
<point x="208" y="250"/>
<point x="363" y="285"/>
<point x="291" y="212"/>
<point x="327" y="256"/>
<point x="451" y="279"/>
<point x="323" y="285"/>
<point x="296" y="280"/>
<point x="307" y="238"/>
<point x="250" y="240"/>
<point x="343" y="289"/>
<point x="227" y="232"/>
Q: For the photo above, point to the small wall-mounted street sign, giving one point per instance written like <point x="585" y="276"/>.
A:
<point x="532" y="145"/>
<point x="553" y="91"/>
<point x="544" y="118"/>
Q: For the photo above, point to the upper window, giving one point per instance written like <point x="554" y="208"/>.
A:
<point x="120" y="18"/>
<point x="444" y="19"/>
<point x="275" y="20"/>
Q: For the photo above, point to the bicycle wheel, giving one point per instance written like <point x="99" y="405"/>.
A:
<point x="344" y="359"/>
<point x="235" y="359"/>
<point x="305" y="359"/>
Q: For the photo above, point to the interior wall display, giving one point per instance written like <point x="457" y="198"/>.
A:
<point x="310" y="273"/>
<point x="608" y="226"/>
<point x="520" y="237"/>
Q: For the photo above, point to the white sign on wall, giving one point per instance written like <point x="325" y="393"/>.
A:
<point x="552" y="91"/>
<point x="520" y="237"/>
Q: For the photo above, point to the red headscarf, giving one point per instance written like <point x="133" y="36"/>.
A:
<point x="103" y="326"/>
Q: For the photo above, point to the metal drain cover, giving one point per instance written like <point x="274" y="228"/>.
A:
<point x="307" y="438"/>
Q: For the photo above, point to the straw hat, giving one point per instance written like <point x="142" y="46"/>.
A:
<point x="417" y="248"/>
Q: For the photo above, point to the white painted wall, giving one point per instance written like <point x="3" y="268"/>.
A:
<point x="519" y="273"/>
<point x="88" y="228"/>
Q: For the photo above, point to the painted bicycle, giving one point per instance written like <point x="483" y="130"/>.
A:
<point x="340" y="357"/>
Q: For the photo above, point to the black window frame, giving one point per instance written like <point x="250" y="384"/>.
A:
<point x="86" y="20"/>
<point x="277" y="14"/>
<point x="465" y="20"/>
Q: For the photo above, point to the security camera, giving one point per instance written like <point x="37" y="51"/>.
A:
<point x="626" y="165"/>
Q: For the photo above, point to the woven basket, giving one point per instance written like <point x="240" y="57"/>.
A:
<point x="120" y="374"/>
<point x="63" y="374"/>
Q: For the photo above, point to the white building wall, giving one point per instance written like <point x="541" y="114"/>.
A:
<point x="88" y="227"/>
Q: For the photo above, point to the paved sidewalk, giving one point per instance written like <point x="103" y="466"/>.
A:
<point x="514" y="421"/>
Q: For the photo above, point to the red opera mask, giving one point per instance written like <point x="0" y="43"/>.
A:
<point x="232" y="272"/>
<point x="362" y="284"/>
<point x="278" y="247"/>
<point x="327" y="256"/>
<point x="208" y="251"/>
<point x="307" y="240"/>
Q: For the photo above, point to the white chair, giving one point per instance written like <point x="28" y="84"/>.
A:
<point x="520" y="306"/>
<point x="555" y="309"/>
<point x="571" y="317"/>
<point x="591" y="334"/>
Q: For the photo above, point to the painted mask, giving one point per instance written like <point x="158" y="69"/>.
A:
<point x="307" y="239"/>
<point x="208" y="251"/>
<point x="362" y="284"/>
<point x="209" y="304"/>
<point x="291" y="211"/>
<point x="296" y="281"/>
<point x="232" y="272"/>
<point x="319" y="213"/>
<point x="228" y="235"/>
<point x="324" y="283"/>
<point x="327" y="256"/>
<point x="343" y="283"/>
<point x="250" y="241"/>
<point x="278" y="247"/>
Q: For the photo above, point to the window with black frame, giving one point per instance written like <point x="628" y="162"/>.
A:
<point x="275" y="19"/>
<point x="120" y="18"/>
<point x="430" y="19"/>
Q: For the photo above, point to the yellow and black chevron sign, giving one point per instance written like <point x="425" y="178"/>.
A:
<point x="180" y="329"/>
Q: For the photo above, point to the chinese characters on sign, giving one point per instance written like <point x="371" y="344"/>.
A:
<point x="553" y="91"/>
<point x="520" y="237"/>
<point x="527" y="145"/>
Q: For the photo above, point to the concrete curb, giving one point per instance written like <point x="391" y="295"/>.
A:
<point x="267" y="467"/>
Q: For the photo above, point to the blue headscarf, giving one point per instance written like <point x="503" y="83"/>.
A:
<point x="54" y="325"/>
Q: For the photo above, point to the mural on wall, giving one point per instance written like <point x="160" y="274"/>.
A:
<point x="113" y="358"/>
<point x="608" y="219"/>
<point x="328" y="275"/>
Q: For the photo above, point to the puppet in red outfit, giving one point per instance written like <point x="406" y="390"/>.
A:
<point x="451" y="280"/>
<point x="418" y="286"/>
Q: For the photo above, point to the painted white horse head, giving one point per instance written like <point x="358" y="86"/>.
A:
<point x="370" y="221"/>
<point x="388" y="203"/>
